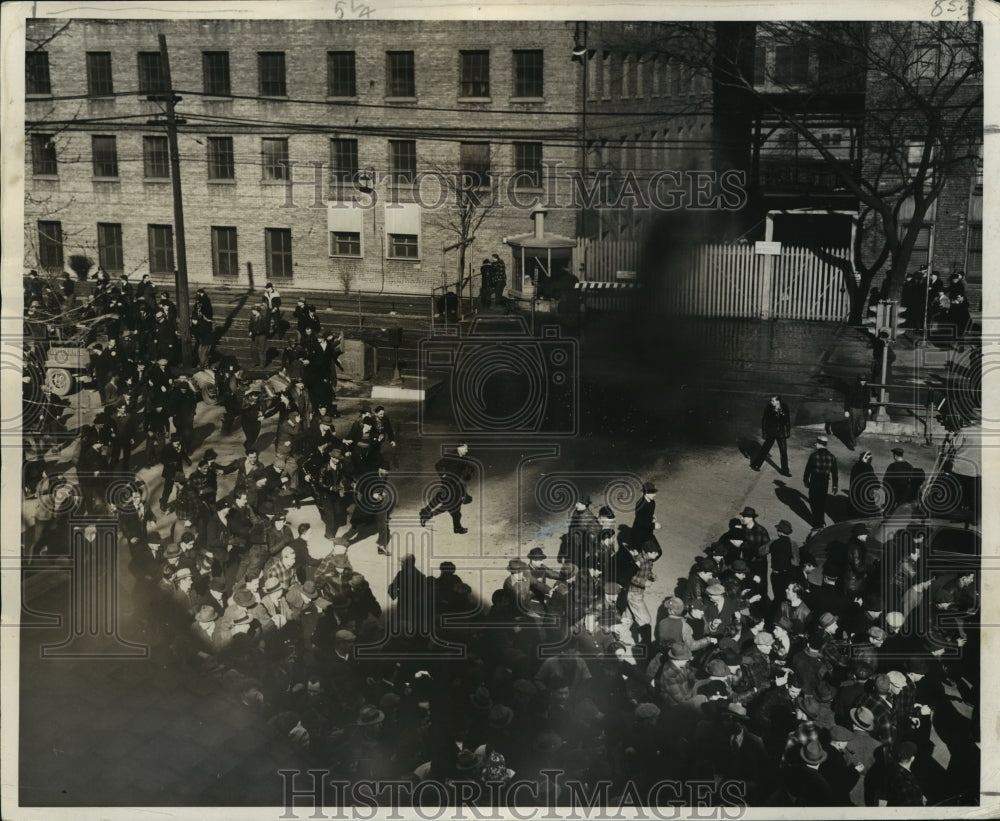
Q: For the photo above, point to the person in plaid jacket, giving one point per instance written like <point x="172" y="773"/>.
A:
<point x="820" y="470"/>
<point x="879" y="702"/>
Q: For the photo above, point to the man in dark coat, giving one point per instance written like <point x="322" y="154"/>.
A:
<point x="784" y="556"/>
<point x="903" y="788"/>
<point x="775" y="426"/>
<point x="820" y="470"/>
<point x="857" y="406"/>
<point x="645" y="524"/>
<point x="455" y="470"/>
<point x="756" y="542"/>
<point x="173" y="458"/>
<point x="900" y="481"/>
<point x="257" y="331"/>
<point x="580" y="541"/>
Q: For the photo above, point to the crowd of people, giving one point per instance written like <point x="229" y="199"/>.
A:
<point x="929" y="300"/>
<point x="781" y="677"/>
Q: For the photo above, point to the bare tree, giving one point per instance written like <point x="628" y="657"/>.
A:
<point x="470" y="199"/>
<point x="920" y="124"/>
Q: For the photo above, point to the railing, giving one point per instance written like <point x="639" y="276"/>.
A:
<point x="922" y="412"/>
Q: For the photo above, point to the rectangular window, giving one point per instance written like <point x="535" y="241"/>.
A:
<point x="759" y="66"/>
<point x="161" y="249"/>
<point x="974" y="255"/>
<point x="50" y="246"/>
<point x="225" y="262"/>
<point x="402" y="161"/>
<point x="341" y="76"/>
<point x="36" y="73"/>
<point x="791" y="64"/>
<point x="278" y="242"/>
<point x="528" y="73"/>
<point x="474" y="74"/>
<point x="271" y="66"/>
<point x="151" y="79"/>
<point x="274" y="158"/>
<point x="155" y="158"/>
<point x="215" y="71"/>
<point x="626" y="87"/>
<point x="400" y="80"/>
<point x="528" y="164"/>
<point x="99" y="81"/>
<point x="221" y="165"/>
<point x="474" y="163"/>
<point x="403" y="246"/>
<point x="43" y="155"/>
<point x="109" y="247"/>
<point x="922" y="248"/>
<point x="105" y="152"/>
<point x="345" y="244"/>
<point x="343" y="160"/>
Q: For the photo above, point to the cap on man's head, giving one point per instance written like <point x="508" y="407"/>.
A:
<point x="784" y="526"/>
<point x="882" y="685"/>
<point x="822" y="440"/>
<point x="897" y="451"/>
<point x="876" y="633"/>
<point x="648" y="487"/>
<point x="905" y="750"/>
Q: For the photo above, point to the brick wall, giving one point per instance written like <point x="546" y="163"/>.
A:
<point x="437" y="120"/>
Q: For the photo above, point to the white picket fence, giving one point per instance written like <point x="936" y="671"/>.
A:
<point x="726" y="280"/>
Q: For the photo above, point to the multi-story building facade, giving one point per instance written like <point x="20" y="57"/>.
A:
<point x="314" y="153"/>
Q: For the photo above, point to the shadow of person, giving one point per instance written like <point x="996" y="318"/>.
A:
<point x="749" y="446"/>
<point x="793" y="499"/>
<point x="681" y="588"/>
<point x="839" y="507"/>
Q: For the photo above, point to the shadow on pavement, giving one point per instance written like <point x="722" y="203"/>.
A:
<point x="793" y="499"/>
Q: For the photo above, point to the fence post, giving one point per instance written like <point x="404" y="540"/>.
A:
<point x="766" y="283"/>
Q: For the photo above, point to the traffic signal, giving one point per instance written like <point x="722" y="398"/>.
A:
<point x="886" y="315"/>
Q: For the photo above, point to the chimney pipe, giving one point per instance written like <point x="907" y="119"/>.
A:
<point x="538" y="215"/>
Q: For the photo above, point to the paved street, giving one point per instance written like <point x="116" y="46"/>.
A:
<point x="89" y="726"/>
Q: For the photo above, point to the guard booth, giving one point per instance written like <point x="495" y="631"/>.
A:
<point x="542" y="266"/>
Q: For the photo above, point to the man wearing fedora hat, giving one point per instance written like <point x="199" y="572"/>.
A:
<point x="784" y="555"/>
<point x="878" y="700"/>
<point x="645" y="525"/>
<point x="756" y="542"/>
<point x="821" y="470"/>
<point x="273" y="604"/>
<point x="672" y="677"/>
<point x="210" y="637"/>
<point x="808" y="786"/>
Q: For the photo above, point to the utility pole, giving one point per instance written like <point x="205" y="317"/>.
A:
<point x="180" y="272"/>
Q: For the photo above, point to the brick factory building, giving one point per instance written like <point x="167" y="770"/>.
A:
<point x="288" y="127"/>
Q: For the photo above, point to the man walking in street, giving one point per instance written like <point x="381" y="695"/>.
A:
<point x="900" y="482"/>
<point x="857" y="404"/>
<point x="820" y="470"/>
<point x="775" y="426"/>
<point x="455" y="470"/>
<point x="258" y="336"/>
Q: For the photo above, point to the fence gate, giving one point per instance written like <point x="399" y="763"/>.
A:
<point x="805" y="287"/>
